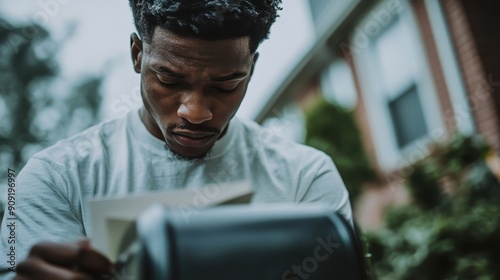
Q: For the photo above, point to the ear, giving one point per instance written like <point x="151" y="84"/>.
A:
<point x="136" y="52"/>
<point x="255" y="58"/>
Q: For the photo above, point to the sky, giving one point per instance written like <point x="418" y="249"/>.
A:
<point x="99" y="45"/>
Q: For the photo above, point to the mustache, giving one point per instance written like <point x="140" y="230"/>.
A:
<point x="193" y="127"/>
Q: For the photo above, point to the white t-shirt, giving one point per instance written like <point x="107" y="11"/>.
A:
<point x="121" y="157"/>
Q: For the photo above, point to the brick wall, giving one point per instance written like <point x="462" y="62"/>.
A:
<point x="473" y="25"/>
<point x="485" y="26"/>
<point x="483" y="17"/>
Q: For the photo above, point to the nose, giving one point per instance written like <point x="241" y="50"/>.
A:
<point x="195" y="109"/>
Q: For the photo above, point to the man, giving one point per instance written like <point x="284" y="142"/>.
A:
<point x="195" y="59"/>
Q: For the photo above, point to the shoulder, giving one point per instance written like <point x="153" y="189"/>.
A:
<point x="86" y="145"/>
<point x="272" y="144"/>
<point x="309" y="174"/>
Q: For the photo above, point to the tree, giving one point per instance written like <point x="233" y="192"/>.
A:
<point x="33" y="113"/>
<point x="332" y="129"/>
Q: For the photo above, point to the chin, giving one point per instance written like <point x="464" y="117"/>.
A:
<point x="194" y="157"/>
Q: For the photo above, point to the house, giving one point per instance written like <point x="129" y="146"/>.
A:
<point x="414" y="72"/>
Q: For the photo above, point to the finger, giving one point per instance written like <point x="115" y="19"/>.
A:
<point x="72" y="255"/>
<point x="35" y="268"/>
<point x="93" y="259"/>
<point x="85" y="243"/>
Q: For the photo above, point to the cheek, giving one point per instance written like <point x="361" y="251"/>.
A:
<point x="235" y="104"/>
<point x="160" y="106"/>
<point x="237" y="99"/>
<point x="227" y="108"/>
<point x="157" y="97"/>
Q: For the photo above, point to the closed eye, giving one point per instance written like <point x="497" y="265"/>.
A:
<point x="166" y="83"/>
<point x="225" y="89"/>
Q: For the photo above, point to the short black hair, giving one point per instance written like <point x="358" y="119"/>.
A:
<point x="207" y="19"/>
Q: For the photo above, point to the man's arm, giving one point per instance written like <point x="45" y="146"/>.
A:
<point x="326" y="186"/>
<point x="43" y="213"/>
<point x="75" y="260"/>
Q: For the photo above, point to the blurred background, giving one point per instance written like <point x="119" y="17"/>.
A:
<point x="402" y="94"/>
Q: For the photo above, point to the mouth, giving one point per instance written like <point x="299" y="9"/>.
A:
<point x="191" y="138"/>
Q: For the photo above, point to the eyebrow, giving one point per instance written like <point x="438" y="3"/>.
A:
<point x="233" y="76"/>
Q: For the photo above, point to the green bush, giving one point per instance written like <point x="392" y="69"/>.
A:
<point x="333" y="130"/>
<point x="444" y="235"/>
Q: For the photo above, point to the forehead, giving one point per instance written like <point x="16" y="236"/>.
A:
<point x="167" y="47"/>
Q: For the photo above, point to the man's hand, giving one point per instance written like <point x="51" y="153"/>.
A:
<point x="64" y="261"/>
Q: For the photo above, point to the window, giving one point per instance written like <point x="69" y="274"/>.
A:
<point x="408" y="117"/>
<point x="399" y="96"/>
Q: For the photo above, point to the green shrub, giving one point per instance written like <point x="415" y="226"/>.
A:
<point x="332" y="129"/>
<point x="444" y="236"/>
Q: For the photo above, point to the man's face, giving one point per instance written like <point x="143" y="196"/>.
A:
<point x="191" y="88"/>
